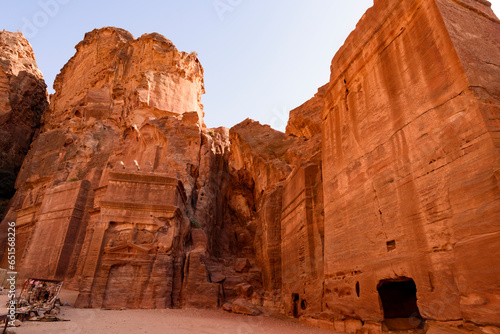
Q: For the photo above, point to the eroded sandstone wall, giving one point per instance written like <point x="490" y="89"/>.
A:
<point x="410" y="161"/>
<point x="122" y="172"/>
<point x="113" y="75"/>
<point x="305" y="120"/>
<point x="23" y="99"/>
<point x="302" y="244"/>
<point x="59" y="219"/>
<point x="388" y="175"/>
<point x="278" y="203"/>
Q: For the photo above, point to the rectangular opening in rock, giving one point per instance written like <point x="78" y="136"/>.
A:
<point x="399" y="302"/>
<point x="391" y="245"/>
<point x="295" y="301"/>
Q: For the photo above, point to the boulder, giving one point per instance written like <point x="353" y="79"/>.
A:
<point x="242" y="265"/>
<point x="242" y="306"/>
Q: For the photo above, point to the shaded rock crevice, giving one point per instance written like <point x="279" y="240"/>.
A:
<point x="23" y="99"/>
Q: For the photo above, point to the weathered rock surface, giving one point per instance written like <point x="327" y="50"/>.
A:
<point x="302" y="244"/>
<point x="410" y="152"/>
<point x="23" y="99"/>
<point x="242" y="266"/>
<point x="379" y="207"/>
<point x="241" y="306"/>
<point x="305" y="120"/>
<point x="122" y="167"/>
<point x="282" y="211"/>
<point x="407" y="164"/>
<point x="116" y="77"/>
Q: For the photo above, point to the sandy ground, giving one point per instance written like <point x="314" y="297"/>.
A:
<point x="158" y="321"/>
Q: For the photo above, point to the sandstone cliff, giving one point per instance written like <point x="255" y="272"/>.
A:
<point x="281" y="223"/>
<point x="410" y="151"/>
<point x="23" y="99"/>
<point x="408" y="169"/>
<point x="305" y="120"/>
<point x="122" y="173"/>
<point x="378" y="209"/>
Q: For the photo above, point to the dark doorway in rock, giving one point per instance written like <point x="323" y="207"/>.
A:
<point x="399" y="302"/>
<point x="295" y="302"/>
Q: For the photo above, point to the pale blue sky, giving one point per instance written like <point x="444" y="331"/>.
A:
<point x="261" y="58"/>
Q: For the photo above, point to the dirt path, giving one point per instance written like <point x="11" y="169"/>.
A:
<point x="163" y="321"/>
<point x="96" y="321"/>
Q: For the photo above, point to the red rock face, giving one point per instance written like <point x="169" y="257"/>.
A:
<point x="380" y="203"/>
<point x="410" y="151"/>
<point x="258" y="160"/>
<point x="134" y="242"/>
<point x="305" y="121"/>
<point x="122" y="170"/>
<point x="23" y="99"/>
<point x="60" y="216"/>
<point x="302" y="243"/>
<point x="129" y="80"/>
<point x="280" y="203"/>
<point x="408" y="160"/>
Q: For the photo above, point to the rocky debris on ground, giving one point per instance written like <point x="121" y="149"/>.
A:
<point x="242" y="306"/>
